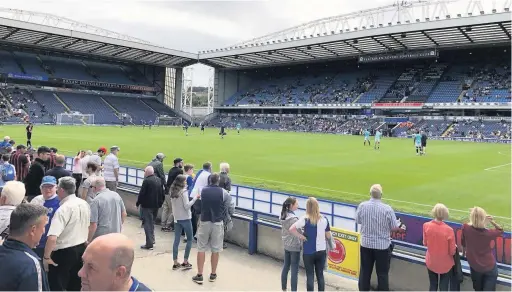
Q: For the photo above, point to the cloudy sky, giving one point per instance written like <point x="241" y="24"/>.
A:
<point x="196" y="25"/>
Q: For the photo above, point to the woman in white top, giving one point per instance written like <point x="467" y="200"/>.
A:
<point x="316" y="233"/>
<point x="77" y="169"/>
<point x="182" y="219"/>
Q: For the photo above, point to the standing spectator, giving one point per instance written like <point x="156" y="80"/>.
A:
<point x="150" y="199"/>
<point x="50" y="163"/>
<point x="111" y="169"/>
<point x="108" y="264"/>
<point x="201" y="179"/>
<point x="88" y="193"/>
<point x="292" y="244"/>
<point x="476" y="242"/>
<point x="316" y="233"/>
<point x="377" y="221"/>
<point x="210" y="233"/>
<point x="182" y="216"/>
<point x="176" y="170"/>
<point x="158" y="166"/>
<point x="189" y="172"/>
<point x="439" y="239"/>
<point x="21" y="269"/>
<point x="12" y="195"/>
<point x="7" y="171"/>
<point x="67" y="237"/>
<point x="225" y="180"/>
<point x="96" y="157"/>
<point x="107" y="211"/>
<point x="36" y="173"/>
<point x="83" y="164"/>
<point x="21" y="162"/>
<point x="77" y="169"/>
<point x="58" y="170"/>
<point x="50" y="201"/>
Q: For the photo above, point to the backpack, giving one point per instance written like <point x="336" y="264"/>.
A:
<point x="8" y="173"/>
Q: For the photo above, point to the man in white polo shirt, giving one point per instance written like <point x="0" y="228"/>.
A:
<point x="111" y="169"/>
<point x="67" y="238"/>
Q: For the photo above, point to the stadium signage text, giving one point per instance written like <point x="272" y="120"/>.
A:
<point x="463" y="139"/>
<point x="392" y="104"/>
<point x="26" y="77"/>
<point x="107" y="84"/>
<point x="397" y="57"/>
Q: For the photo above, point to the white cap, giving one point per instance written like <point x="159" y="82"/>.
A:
<point x="7" y="138"/>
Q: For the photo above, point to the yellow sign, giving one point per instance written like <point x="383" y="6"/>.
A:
<point x="344" y="259"/>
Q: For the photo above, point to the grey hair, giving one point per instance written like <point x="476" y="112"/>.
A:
<point x="25" y="216"/>
<point x="68" y="184"/>
<point x="123" y="257"/>
<point x="88" y="152"/>
<point x="99" y="182"/>
<point x="224" y="167"/>
<point x="376" y="191"/>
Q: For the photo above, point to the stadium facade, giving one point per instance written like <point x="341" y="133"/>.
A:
<point x="399" y="74"/>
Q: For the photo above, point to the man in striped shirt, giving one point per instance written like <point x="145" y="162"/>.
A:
<point x="377" y="222"/>
<point x="21" y="162"/>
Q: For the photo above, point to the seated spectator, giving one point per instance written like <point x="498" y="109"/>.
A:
<point x="476" y="242"/>
<point x="439" y="239"/>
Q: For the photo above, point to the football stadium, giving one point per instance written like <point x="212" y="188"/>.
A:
<point x="413" y="96"/>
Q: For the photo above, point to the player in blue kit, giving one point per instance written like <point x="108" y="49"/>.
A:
<point x="417" y="143"/>
<point x="378" y="134"/>
<point x="366" y="134"/>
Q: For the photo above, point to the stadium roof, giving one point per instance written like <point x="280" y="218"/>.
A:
<point x="90" y="41"/>
<point x="484" y="29"/>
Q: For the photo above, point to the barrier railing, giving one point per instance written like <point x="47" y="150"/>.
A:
<point x="341" y="215"/>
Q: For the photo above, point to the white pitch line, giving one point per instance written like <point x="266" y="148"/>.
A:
<point x="497" y="166"/>
<point x="322" y="189"/>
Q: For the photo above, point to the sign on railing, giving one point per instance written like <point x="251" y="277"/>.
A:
<point x="340" y="215"/>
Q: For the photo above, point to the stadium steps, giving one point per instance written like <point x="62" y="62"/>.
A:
<point x="461" y="96"/>
<point x="110" y="106"/>
<point x="358" y="97"/>
<point x="142" y="100"/>
<point x="62" y="102"/>
<point x="382" y="124"/>
<point x="447" y="130"/>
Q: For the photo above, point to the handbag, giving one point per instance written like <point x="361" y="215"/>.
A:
<point x="457" y="268"/>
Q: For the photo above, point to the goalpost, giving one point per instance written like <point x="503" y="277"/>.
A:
<point x="75" y="119"/>
<point x="168" y="121"/>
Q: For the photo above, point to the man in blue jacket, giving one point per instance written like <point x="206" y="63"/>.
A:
<point x="21" y="268"/>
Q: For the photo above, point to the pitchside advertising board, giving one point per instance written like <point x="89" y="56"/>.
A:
<point x="344" y="259"/>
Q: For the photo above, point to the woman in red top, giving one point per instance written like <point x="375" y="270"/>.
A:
<point x="439" y="239"/>
<point x="476" y="241"/>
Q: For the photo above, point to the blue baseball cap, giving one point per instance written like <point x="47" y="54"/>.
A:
<point x="49" y="180"/>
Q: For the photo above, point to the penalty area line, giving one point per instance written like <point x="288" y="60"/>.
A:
<point x="497" y="166"/>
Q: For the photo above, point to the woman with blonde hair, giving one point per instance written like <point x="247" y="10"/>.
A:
<point x="439" y="239"/>
<point x="476" y="243"/>
<point x="316" y="233"/>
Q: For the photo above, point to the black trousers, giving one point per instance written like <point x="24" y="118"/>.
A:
<point x="78" y="178"/>
<point x="381" y="259"/>
<point x="64" y="277"/>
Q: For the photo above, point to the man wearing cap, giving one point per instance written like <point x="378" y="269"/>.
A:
<point x="50" y="201"/>
<point x="111" y="169"/>
<point x="36" y="173"/>
<point x="58" y="170"/>
<point x="158" y="166"/>
<point x="96" y="157"/>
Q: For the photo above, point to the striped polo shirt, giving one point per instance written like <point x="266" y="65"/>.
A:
<point x="315" y="234"/>
<point x="377" y="220"/>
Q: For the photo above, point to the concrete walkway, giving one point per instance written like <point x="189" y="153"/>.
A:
<point x="237" y="269"/>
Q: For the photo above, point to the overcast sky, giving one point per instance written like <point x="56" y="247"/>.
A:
<point x="197" y="25"/>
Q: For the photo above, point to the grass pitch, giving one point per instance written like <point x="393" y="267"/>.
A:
<point x="459" y="174"/>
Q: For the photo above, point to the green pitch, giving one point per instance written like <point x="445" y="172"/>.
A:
<point x="459" y="174"/>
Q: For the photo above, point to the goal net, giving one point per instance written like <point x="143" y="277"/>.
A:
<point x="75" y="119"/>
<point x="168" y="121"/>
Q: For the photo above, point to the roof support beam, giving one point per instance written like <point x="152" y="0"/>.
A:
<point x="381" y="43"/>
<point x="72" y="43"/>
<point x="229" y="61"/>
<point x="42" y="39"/>
<point x="430" y="38"/>
<point x="465" y="34"/>
<point x="330" y="51"/>
<point x="354" y="47"/>
<point x="263" y="57"/>
<point x="306" y="53"/>
<point x="139" y="57"/>
<point x="97" y="48"/>
<point x="505" y="30"/>
<point x="280" y="54"/>
<point x="13" y="31"/>
<point x="120" y="52"/>
<point x="398" y="42"/>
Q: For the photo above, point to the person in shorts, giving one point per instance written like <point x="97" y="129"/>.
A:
<point x="423" y="143"/>
<point x="210" y="234"/>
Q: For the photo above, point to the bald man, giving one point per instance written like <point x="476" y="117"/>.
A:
<point x="150" y="199"/>
<point x="107" y="265"/>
